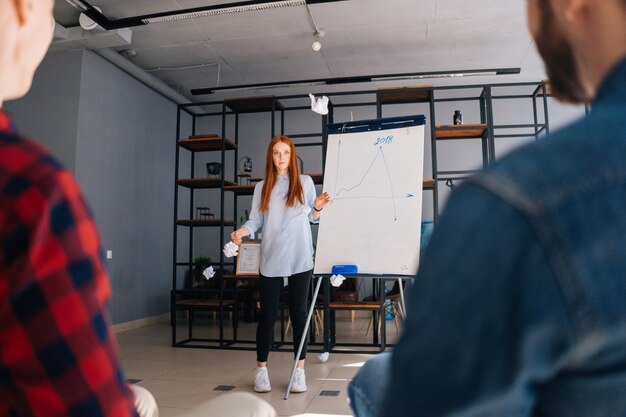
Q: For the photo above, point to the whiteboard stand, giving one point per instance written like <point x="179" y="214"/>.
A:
<point x="304" y="334"/>
<point x="383" y="324"/>
<point x="385" y="160"/>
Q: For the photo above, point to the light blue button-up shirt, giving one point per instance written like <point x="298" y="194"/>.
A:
<point x="287" y="245"/>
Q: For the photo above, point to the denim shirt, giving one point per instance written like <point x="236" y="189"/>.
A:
<point x="519" y="306"/>
<point x="287" y="245"/>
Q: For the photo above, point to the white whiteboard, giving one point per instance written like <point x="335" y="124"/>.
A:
<point x="374" y="220"/>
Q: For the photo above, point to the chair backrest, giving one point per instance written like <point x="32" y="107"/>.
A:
<point x="394" y="293"/>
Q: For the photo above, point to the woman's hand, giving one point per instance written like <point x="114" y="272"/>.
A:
<point x="322" y="200"/>
<point x="237" y="236"/>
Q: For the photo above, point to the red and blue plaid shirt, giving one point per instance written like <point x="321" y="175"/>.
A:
<point x="58" y="356"/>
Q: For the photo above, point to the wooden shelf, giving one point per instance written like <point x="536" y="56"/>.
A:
<point x="203" y="182"/>
<point x="429" y="185"/>
<point x="204" y="223"/>
<point x="233" y="276"/>
<point x="460" y="131"/>
<point x="318" y="178"/>
<point x="402" y="95"/>
<point x="210" y="144"/>
<point x="240" y="189"/>
<point x="252" y="104"/>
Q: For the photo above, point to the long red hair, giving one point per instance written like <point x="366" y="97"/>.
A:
<point x="271" y="176"/>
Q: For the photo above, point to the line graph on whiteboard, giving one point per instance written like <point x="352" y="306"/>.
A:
<point x="378" y="163"/>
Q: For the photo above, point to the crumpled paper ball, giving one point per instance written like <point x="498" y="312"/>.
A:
<point x="319" y="104"/>
<point x="230" y="249"/>
<point x="337" y="280"/>
<point x="209" y="273"/>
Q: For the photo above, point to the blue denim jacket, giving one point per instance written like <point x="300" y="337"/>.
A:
<point x="519" y="307"/>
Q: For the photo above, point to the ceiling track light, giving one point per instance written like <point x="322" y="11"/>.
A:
<point x="434" y="76"/>
<point x="361" y="79"/>
<point x="193" y="13"/>
<point x="229" y="10"/>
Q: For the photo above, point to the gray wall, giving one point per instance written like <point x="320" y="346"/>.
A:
<point x="118" y="136"/>
<point x="125" y="164"/>
<point x="50" y="111"/>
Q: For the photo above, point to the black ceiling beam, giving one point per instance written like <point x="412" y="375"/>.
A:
<point x="134" y="21"/>
<point x="358" y="79"/>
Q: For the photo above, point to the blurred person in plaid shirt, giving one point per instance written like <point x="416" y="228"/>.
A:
<point x="58" y="356"/>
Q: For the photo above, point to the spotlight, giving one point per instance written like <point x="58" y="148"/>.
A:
<point x="86" y="22"/>
<point x="316" y="46"/>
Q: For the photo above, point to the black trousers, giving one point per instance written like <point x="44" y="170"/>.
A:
<point x="269" y="294"/>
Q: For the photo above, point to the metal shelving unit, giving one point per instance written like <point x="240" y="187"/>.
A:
<point x="487" y="131"/>
<point x="278" y="107"/>
<point x="191" y="300"/>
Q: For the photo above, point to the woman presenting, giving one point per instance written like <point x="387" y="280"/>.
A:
<point x="283" y="205"/>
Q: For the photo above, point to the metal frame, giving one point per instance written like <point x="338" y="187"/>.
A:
<point x="360" y="79"/>
<point x="485" y="100"/>
<point x="141" y="20"/>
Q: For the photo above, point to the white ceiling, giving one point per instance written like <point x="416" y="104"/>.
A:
<point x="362" y="37"/>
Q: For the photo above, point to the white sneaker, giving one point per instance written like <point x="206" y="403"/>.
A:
<point x="262" y="381"/>
<point x="299" y="381"/>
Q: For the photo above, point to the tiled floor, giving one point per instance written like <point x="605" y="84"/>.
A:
<point x="181" y="378"/>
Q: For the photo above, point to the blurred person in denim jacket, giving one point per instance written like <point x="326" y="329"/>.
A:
<point x="519" y="306"/>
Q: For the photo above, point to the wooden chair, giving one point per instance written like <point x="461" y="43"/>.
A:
<point x="203" y="296"/>
<point x="348" y="293"/>
<point x="318" y="316"/>
<point x="319" y="322"/>
<point x="396" y="308"/>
